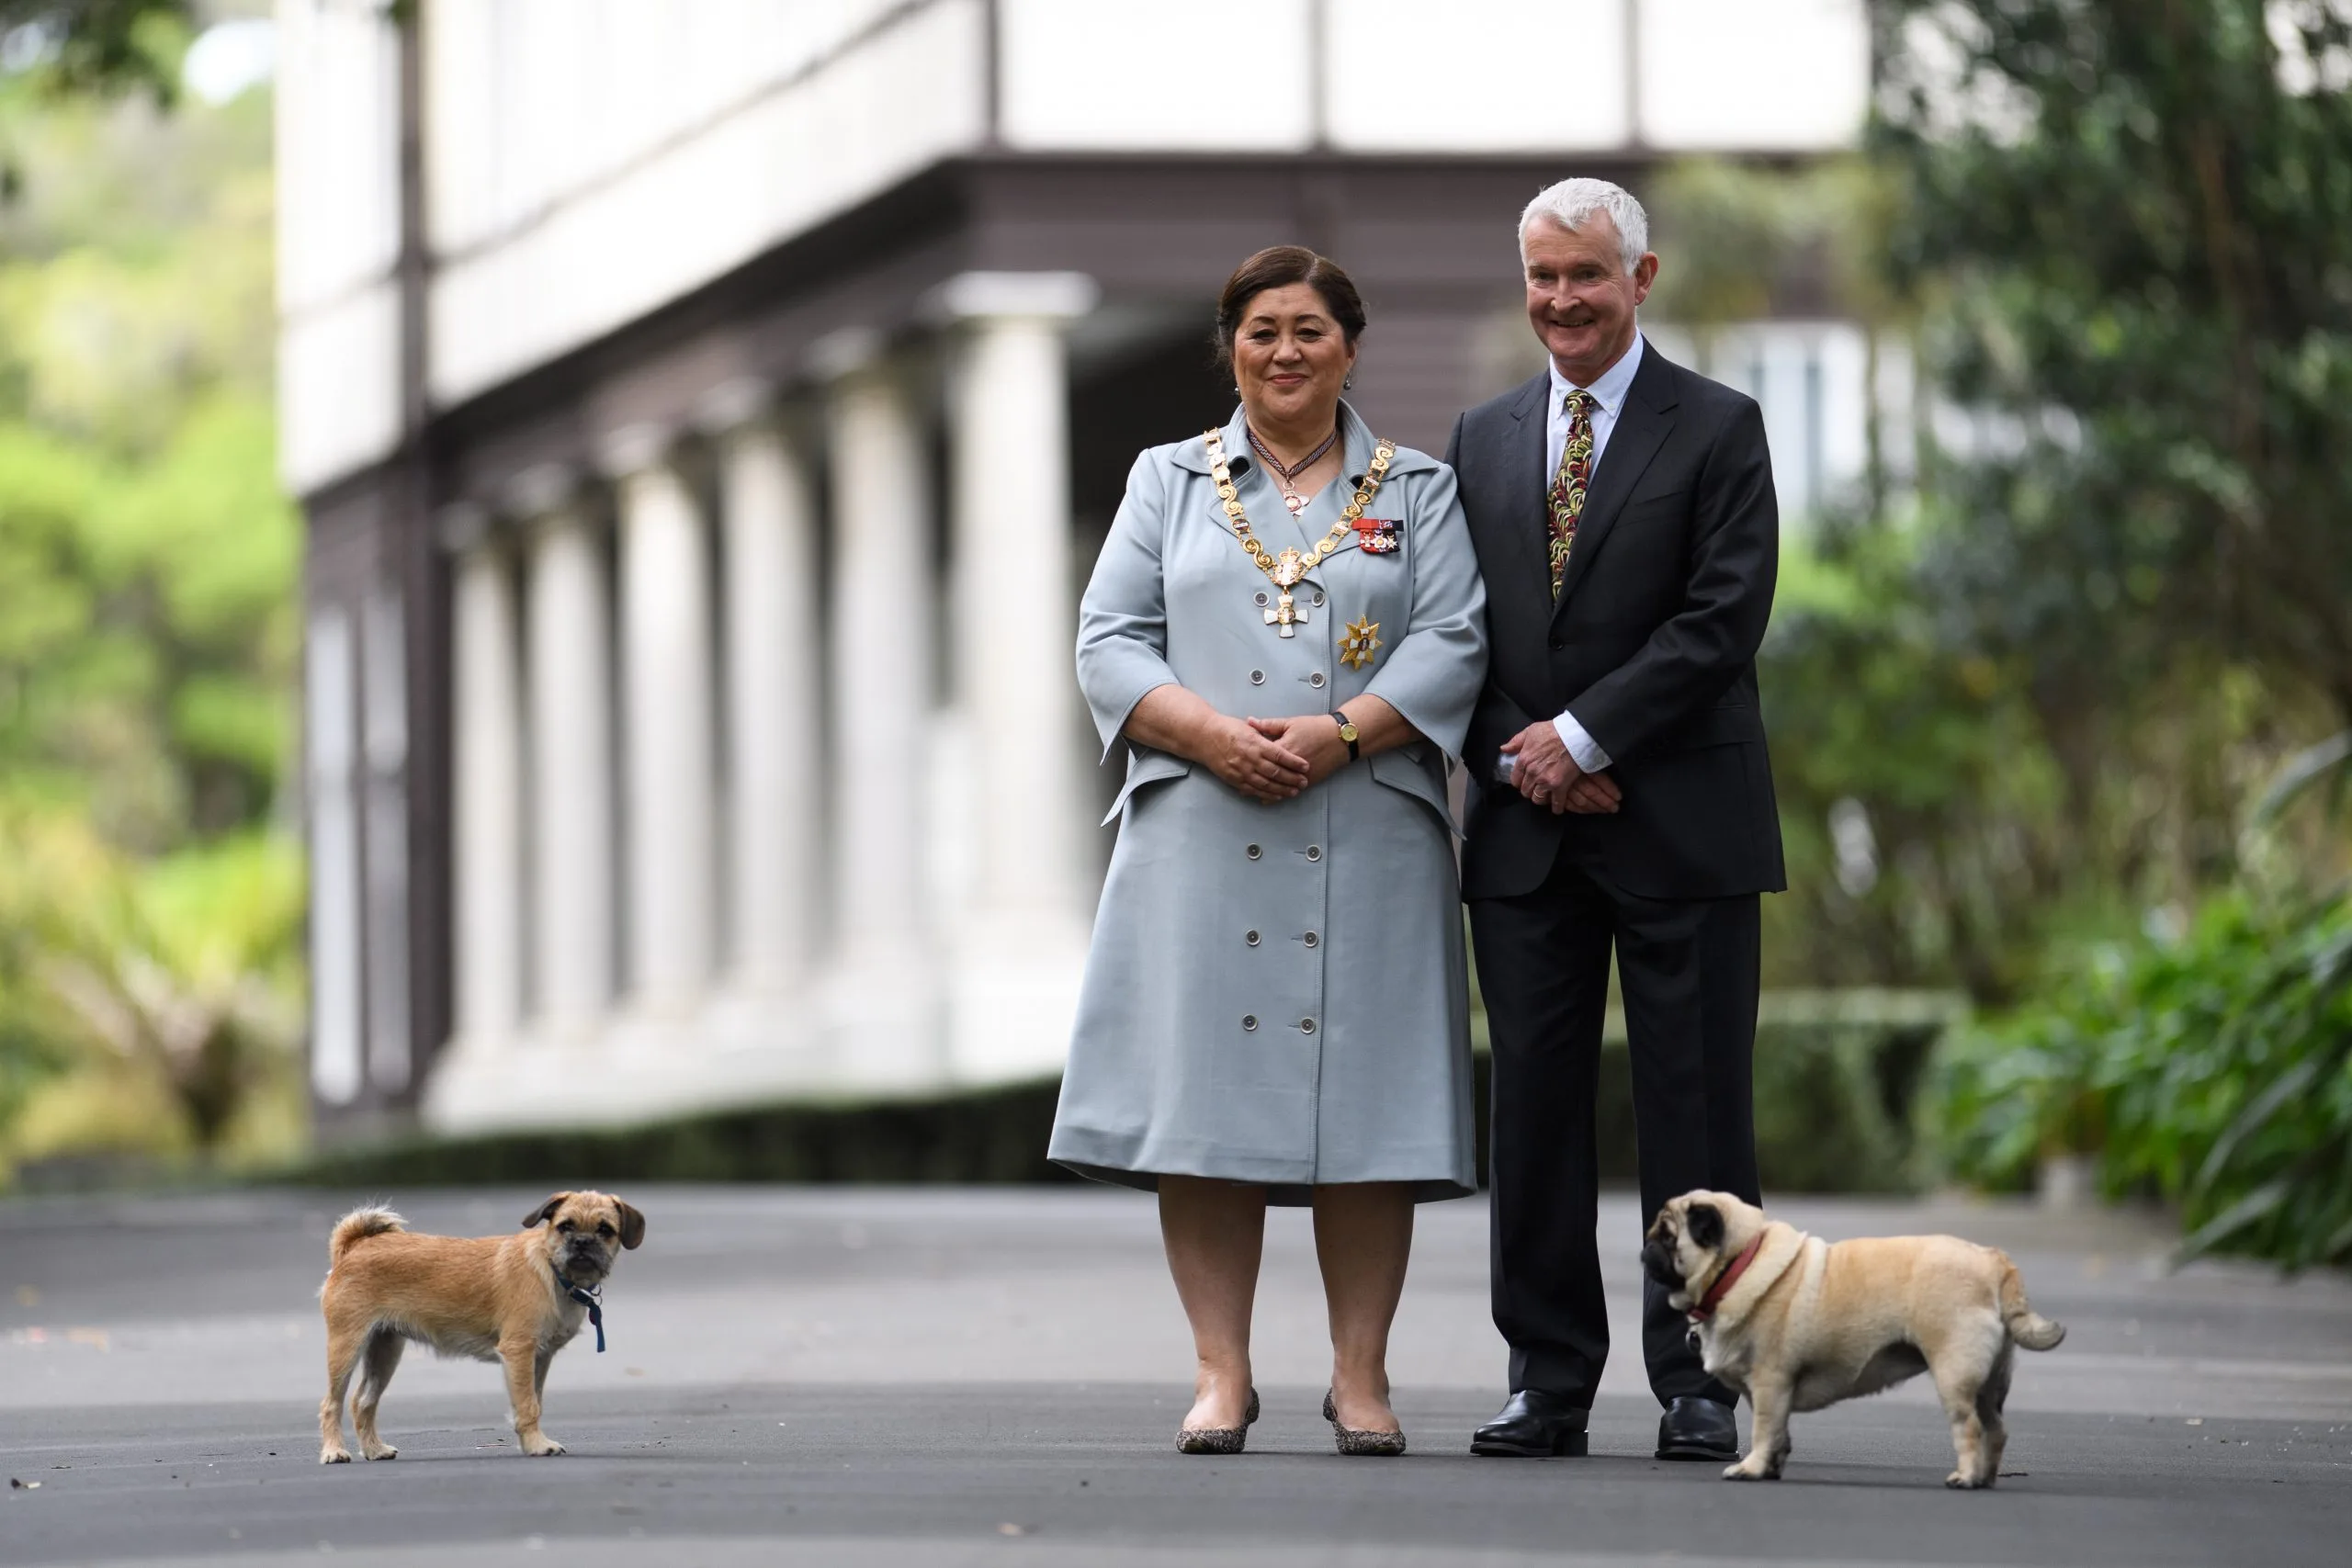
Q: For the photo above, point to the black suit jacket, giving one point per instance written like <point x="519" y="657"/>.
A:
<point x="1652" y="644"/>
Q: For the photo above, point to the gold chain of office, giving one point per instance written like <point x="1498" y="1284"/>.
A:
<point x="1290" y="566"/>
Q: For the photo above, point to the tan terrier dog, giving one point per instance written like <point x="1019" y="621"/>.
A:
<point x="516" y="1299"/>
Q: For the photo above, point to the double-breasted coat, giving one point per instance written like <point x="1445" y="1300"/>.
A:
<point x="1277" y="994"/>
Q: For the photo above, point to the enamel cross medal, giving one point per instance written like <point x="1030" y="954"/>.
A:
<point x="1289" y="567"/>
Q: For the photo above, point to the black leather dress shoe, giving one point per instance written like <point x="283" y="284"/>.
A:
<point x="1697" y="1427"/>
<point x="1534" y="1425"/>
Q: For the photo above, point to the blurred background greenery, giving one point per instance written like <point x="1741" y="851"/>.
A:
<point x="151" y="885"/>
<point x="2059" y="695"/>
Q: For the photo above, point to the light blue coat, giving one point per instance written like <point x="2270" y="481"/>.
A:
<point x="1276" y="994"/>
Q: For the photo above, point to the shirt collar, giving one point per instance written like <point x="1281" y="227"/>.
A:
<point x="1609" y="390"/>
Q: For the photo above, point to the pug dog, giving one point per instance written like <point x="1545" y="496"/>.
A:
<point x="515" y="1300"/>
<point x="1796" y="1322"/>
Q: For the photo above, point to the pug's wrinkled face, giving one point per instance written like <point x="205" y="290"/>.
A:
<point x="585" y="1231"/>
<point x="1684" y="1242"/>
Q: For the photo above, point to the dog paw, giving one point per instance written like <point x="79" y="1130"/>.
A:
<point x="544" y="1448"/>
<point x="380" y="1451"/>
<point x="1743" y="1472"/>
<point x="1961" y="1481"/>
<point x="333" y="1456"/>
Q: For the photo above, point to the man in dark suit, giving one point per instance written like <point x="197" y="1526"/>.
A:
<point x="1623" y="515"/>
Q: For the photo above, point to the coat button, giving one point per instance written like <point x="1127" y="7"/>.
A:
<point x="1251" y="939"/>
<point x="1558" y="644"/>
<point x="1306" y="1026"/>
<point x="1317" y="600"/>
<point x="1310" y="939"/>
<point x="1262" y="600"/>
<point x="1253" y="851"/>
<point x="1313" y="852"/>
<point x="1256" y="677"/>
<point x="1316" y="680"/>
<point x="1249" y="1022"/>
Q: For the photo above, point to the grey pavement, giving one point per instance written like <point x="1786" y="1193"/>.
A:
<point x="936" y="1377"/>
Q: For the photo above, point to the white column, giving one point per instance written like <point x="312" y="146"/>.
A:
<point x="668" y="699"/>
<point x="1022" y="946"/>
<point x="568" y="612"/>
<point x="487" y="767"/>
<point x="882" y="1014"/>
<point x="774" y="707"/>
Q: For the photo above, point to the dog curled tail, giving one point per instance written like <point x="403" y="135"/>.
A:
<point x="2027" y="1327"/>
<point x="358" y="1225"/>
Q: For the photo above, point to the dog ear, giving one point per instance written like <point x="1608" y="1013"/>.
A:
<point x="545" y="1212"/>
<point x="1705" y="1223"/>
<point x="632" y="1225"/>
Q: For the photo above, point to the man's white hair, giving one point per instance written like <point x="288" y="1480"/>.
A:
<point x="1572" y="203"/>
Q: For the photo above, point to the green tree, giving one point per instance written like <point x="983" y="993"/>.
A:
<point x="2127" y="221"/>
<point x="148" y="628"/>
<point x="2122" y="224"/>
<point x="150" y="901"/>
<point x="97" y="48"/>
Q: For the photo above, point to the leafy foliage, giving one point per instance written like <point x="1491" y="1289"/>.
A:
<point x="100" y="47"/>
<point x="2215" y="1071"/>
<point x="150" y="906"/>
<point x="156" y="1002"/>
<point x="148" y="629"/>
<point x="2119" y="233"/>
<point x="2126" y="225"/>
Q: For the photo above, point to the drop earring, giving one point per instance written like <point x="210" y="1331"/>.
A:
<point x="1346" y="382"/>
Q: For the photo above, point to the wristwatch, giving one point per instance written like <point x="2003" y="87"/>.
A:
<point x="1348" y="732"/>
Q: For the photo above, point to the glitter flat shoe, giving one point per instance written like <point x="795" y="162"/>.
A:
<point x="1358" y="1444"/>
<point x="1219" y="1439"/>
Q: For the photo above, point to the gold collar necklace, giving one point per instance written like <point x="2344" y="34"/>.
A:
<point x="1290" y="566"/>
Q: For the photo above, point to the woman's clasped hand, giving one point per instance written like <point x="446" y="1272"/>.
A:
<point x="1315" y="737"/>
<point x="1250" y="755"/>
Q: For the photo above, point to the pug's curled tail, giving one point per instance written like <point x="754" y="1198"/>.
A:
<point x="2027" y="1327"/>
<point x="358" y="1224"/>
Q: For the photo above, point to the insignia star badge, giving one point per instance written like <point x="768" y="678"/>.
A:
<point x="1362" y="642"/>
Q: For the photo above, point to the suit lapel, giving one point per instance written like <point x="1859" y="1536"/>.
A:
<point x="1527" y="510"/>
<point x="1642" y="428"/>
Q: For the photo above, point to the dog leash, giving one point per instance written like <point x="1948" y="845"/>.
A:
<point x="591" y="1299"/>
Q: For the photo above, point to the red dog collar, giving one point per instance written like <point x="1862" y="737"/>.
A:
<point x="1724" y="1282"/>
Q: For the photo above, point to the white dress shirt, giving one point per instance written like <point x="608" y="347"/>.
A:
<point x="1609" y="396"/>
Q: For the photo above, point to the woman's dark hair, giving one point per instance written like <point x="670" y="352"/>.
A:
<point x="1278" y="266"/>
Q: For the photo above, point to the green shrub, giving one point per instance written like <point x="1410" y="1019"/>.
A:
<point x="2213" y="1071"/>
<point x="149" y="1010"/>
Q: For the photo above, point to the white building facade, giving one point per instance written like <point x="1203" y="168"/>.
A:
<point x="706" y="411"/>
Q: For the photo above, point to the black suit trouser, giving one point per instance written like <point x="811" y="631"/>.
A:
<point x="1688" y="971"/>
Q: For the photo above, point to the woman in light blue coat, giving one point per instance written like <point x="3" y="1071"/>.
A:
<point x="1287" y="631"/>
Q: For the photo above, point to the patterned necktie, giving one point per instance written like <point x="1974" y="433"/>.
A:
<point x="1568" y="484"/>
